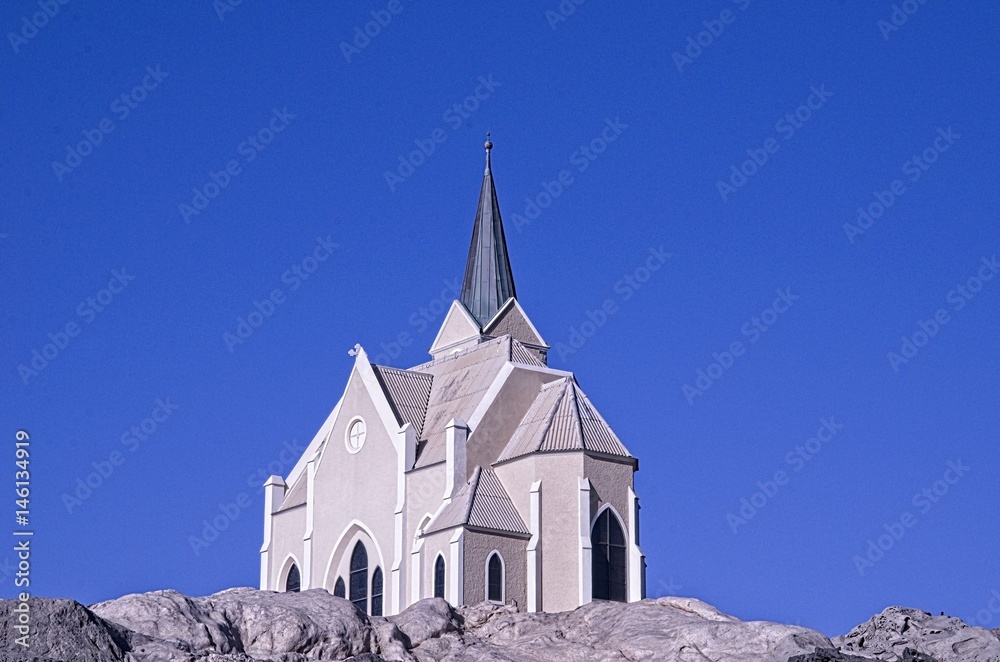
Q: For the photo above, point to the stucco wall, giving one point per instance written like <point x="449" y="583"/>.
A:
<point x="424" y="491"/>
<point x="286" y="538"/>
<point x="478" y="547"/>
<point x="504" y="415"/>
<point x="355" y="493"/>
<point x="514" y="324"/>
<point x="609" y="484"/>
<point x="433" y="545"/>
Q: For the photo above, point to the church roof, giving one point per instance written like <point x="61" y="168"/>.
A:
<point x="560" y="419"/>
<point x="459" y="384"/>
<point x="521" y="354"/>
<point x="489" y="281"/>
<point x="482" y="503"/>
<point x="407" y="392"/>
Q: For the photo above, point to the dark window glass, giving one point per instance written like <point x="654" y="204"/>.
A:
<point x="439" y="577"/>
<point x="495" y="579"/>
<point x="359" y="577"/>
<point x="293" y="582"/>
<point x="377" y="592"/>
<point x="610" y="579"/>
<point x="339" y="589"/>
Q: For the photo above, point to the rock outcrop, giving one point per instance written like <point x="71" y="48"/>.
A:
<point x="246" y="625"/>
<point x="886" y="636"/>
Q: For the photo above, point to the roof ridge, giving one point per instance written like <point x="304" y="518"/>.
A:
<point x="462" y="352"/>
<point x="408" y="371"/>
<point x="473" y="488"/>
<point x="575" y="404"/>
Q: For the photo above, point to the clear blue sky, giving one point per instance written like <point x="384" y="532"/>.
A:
<point x="329" y="121"/>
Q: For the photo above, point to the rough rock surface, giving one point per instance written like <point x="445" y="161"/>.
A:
<point x="886" y="636"/>
<point x="246" y="625"/>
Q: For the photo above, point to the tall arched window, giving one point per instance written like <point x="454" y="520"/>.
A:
<point x="609" y="559"/>
<point x="495" y="579"/>
<point x="293" y="581"/>
<point x="439" y="577"/>
<point x="359" y="577"/>
<point x="339" y="589"/>
<point x="377" y="592"/>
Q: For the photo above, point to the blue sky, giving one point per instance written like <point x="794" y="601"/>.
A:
<point x="167" y="171"/>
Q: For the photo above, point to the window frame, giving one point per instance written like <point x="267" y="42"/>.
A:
<point x="503" y="578"/>
<point x="601" y="560"/>
<point x="294" y="567"/>
<point x="440" y="564"/>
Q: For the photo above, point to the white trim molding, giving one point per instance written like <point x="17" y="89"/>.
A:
<point x="586" y="557"/>
<point x="455" y="590"/>
<point x="636" y="559"/>
<point x="534" y="552"/>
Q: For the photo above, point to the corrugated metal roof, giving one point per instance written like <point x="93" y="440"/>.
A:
<point x="408" y="394"/>
<point x="492" y="508"/>
<point x="521" y="354"/>
<point x="460" y="381"/>
<point x="483" y="503"/>
<point x="562" y="418"/>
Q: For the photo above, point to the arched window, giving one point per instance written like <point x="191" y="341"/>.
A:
<point x="609" y="559"/>
<point x="359" y="577"/>
<point x="338" y="588"/>
<point x="293" y="581"/>
<point x="377" y="592"/>
<point x="439" y="577"/>
<point x="495" y="579"/>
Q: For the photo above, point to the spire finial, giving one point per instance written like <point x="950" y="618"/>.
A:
<point x="488" y="145"/>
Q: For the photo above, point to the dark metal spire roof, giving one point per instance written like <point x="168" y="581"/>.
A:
<point x="489" y="281"/>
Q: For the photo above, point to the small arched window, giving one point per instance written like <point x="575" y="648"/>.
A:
<point x="339" y="589"/>
<point x="609" y="559"/>
<point x="439" y="577"/>
<point x="293" y="582"/>
<point x="495" y="579"/>
<point x="377" y="592"/>
<point x="359" y="577"/>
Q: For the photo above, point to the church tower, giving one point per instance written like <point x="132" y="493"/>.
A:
<point x="480" y="475"/>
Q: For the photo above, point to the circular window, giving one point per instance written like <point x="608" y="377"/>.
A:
<point x="356" y="433"/>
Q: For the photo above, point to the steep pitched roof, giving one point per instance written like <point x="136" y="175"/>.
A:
<point x="407" y="392"/>
<point x="482" y="503"/>
<point x="489" y="281"/>
<point x="562" y="418"/>
<point x="521" y="354"/>
<point x="460" y="382"/>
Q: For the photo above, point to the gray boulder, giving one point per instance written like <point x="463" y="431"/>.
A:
<point x="246" y="625"/>
<point x="886" y="636"/>
<point x="664" y="629"/>
<point x="61" y="630"/>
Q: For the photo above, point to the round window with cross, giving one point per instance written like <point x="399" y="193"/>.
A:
<point x="356" y="433"/>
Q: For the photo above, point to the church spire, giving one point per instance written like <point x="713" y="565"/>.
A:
<point x="489" y="281"/>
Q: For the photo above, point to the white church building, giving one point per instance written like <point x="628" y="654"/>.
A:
<point x="482" y="474"/>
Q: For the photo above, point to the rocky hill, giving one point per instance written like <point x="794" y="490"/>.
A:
<point x="247" y="625"/>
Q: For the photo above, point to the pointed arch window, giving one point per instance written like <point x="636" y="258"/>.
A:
<point x="495" y="579"/>
<point x="359" y="577"/>
<point x="293" y="581"/>
<point x="339" y="589"/>
<point x="377" y="592"/>
<point x="609" y="559"/>
<point x="439" y="577"/>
